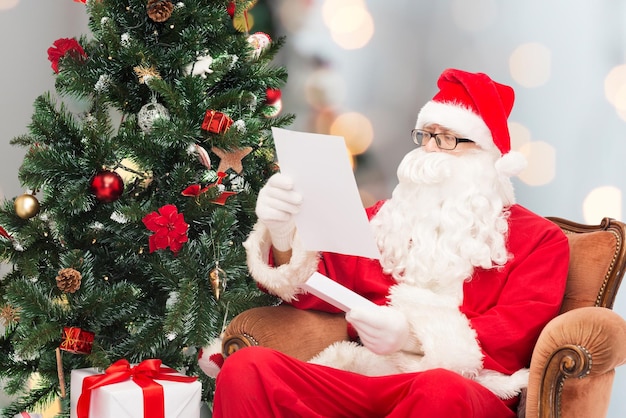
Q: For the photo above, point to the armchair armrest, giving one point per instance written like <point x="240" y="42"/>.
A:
<point x="573" y="364"/>
<point x="299" y="333"/>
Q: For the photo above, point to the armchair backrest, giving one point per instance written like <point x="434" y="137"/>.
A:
<point x="597" y="262"/>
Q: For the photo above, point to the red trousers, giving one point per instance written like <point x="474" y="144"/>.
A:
<point x="260" y="382"/>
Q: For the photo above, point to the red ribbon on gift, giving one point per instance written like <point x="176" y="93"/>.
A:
<point x="143" y="375"/>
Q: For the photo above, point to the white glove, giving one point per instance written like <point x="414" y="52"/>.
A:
<point x="383" y="330"/>
<point x="276" y="205"/>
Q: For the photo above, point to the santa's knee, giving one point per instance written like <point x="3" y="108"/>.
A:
<point x="247" y="366"/>
<point x="443" y="387"/>
<point x="443" y="393"/>
<point x="442" y="378"/>
<point x="437" y="378"/>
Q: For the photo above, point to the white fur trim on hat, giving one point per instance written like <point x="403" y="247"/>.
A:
<point x="511" y="164"/>
<point x="282" y="281"/>
<point x="458" y="118"/>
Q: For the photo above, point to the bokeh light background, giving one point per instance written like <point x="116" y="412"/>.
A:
<point x="362" y="70"/>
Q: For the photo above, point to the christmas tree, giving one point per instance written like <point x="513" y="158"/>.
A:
<point x="127" y="243"/>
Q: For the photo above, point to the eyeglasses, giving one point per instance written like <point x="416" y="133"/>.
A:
<point x="444" y="141"/>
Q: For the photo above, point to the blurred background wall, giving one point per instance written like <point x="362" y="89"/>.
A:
<point x="362" y="69"/>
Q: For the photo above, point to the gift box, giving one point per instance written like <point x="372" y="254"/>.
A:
<point x="146" y="390"/>
<point x="76" y="340"/>
<point x="216" y="122"/>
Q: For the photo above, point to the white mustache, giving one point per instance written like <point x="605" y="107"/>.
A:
<point x="428" y="168"/>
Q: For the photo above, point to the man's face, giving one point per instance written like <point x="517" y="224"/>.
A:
<point x="430" y="145"/>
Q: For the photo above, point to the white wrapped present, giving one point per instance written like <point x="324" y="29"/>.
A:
<point x="147" y="390"/>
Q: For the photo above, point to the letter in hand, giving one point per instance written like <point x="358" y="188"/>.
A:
<point x="383" y="329"/>
<point x="276" y="206"/>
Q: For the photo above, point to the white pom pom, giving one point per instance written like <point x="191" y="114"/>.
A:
<point x="511" y="164"/>
<point x="210" y="358"/>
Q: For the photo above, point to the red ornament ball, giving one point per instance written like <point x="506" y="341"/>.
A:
<point x="107" y="186"/>
<point x="272" y="96"/>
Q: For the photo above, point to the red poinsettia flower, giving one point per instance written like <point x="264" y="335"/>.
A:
<point x="80" y="1"/>
<point x="169" y="227"/>
<point x="62" y="47"/>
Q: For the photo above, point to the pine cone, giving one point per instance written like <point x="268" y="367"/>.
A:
<point x="68" y="280"/>
<point x="159" y="10"/>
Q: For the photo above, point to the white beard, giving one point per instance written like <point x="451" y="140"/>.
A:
<point x="446" y="216"/>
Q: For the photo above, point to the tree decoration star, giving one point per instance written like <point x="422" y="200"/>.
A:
<point x="231" y="159"/>
<point x="9" y="315"/>
<point x="146" y="73"/>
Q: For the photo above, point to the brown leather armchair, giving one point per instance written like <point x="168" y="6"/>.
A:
<point x="573" y="363"/>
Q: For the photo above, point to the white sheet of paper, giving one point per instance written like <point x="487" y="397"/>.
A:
<point x="334" y="293"/>
<point x="332" y="217"/>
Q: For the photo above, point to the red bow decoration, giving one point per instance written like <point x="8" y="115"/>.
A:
<point x="196" y="190"/>
<point x="4" y="233"/>
<point x="143" y="375"/>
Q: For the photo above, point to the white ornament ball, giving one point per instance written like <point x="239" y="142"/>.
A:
<point x="149" y="114"/>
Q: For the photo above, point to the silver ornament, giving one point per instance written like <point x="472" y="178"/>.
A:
<point x="149" y="114"/>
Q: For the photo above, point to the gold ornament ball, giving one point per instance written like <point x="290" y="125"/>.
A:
<point x="26" y="206"/>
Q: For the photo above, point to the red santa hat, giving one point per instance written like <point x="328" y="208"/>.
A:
<point x="477" y="108"/>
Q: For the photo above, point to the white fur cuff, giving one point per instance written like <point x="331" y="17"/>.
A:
<point x="282" y="281"/>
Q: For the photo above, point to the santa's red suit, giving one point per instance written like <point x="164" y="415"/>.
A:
<point x="460" y="361"/>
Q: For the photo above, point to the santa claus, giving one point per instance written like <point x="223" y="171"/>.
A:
<point x="466" y="281"/>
